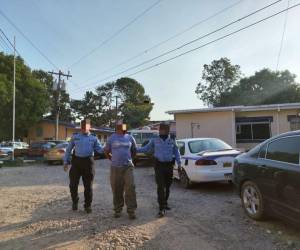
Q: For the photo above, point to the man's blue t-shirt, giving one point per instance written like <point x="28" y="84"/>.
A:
<point x="120" y="147"/>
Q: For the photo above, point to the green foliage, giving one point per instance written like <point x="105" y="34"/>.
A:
<point x="32" y="99"/>
<point x="217" y="78"/>
<point x="222" y="85"/>
<point x="101" y="109"/>
<point x="264" y="87"/>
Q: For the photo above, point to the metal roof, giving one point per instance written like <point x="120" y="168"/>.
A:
<point x="241" y="108"/>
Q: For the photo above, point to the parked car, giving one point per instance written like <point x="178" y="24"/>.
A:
<point x="40" y="148"/>
<point x="57" y="153"/>
<point x="268" y="178"/>
<point x="204" y="160"/>
<point x="142" y="137"/>
<point x="9" y="147"/>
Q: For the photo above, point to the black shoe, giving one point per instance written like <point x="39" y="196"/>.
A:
<point x="117" y="214"/>
<point x="161" y="213"/>
<point x="75" y="206"/>
<point x="168" y="208"/>
<point x="88" y="210"/>
<point x="132" y="216"/>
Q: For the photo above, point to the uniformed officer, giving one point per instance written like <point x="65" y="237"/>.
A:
<point x="82" y="164"/>
<point x="120" y="148"/>
<point x="165" y="149"/>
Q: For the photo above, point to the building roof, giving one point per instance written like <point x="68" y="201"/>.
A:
<point x="77" y="126"/>
<point x="241" y="108"/>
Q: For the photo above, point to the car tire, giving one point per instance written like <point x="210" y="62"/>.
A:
<point x="49" y="162"/>
<point x="184" y="179"/>
<point x="252" y="201"/>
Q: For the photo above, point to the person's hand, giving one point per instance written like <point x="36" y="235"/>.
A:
<point x="179" y="167"/>
<point x="66" y="167"/>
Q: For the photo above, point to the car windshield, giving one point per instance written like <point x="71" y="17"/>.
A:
<point x="207" y="144"/>
<point x="62" y="145"/>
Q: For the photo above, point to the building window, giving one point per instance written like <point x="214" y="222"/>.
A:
<point x="253" y="129"/>
<point x="295" y="123"/>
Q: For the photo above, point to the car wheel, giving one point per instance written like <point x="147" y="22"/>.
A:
<point x="49" y="162"/>
<point x="252" y="201"/>
<point x="184" y="179"/>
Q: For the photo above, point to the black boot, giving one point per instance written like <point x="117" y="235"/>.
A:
<point x="75" y="206"/>
<point x="88" y="209"/>
<point x="161" y="213"/>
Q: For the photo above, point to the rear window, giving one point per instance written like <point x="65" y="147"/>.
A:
<point x="208" y="144"/>
<point x="36" y="145"/>
<point x="62" y="145"/>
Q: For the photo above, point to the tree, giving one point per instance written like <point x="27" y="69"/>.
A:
<point x="217" y="78"/>
<point x="31" y="97"/>
<point x="264" y="87"/>
<point x="134" y="105"/>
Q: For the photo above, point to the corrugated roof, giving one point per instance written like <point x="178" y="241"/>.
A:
<point x="283" y="106"/>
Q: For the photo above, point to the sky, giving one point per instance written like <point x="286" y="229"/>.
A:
<point x="68" y="30"/>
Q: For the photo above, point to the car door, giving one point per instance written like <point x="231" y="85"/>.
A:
<point x="283" y="175"/>
<point x="181" y="148"/>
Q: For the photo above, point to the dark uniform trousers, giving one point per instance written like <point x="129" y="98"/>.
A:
<point x="82" y="167"/>
<point x="122" y="182"/>
<point x="164" y="178"/>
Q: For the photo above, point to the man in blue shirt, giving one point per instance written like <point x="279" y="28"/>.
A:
<point x="84" y="145"/>
<point x="120" y="148"/>
<point x="165" y="150"/>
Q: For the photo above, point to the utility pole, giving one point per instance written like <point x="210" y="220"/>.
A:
<point x="60" y="86"/>
<point x="14" y="102"/>
<point x="116" y="115"/>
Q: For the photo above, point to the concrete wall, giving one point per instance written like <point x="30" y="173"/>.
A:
<point x="211" y="124"/>
<point x="222" y="124"/>
<point x="47" y="131"/>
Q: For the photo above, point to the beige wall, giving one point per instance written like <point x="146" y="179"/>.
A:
<point x="48" y="131"/>
<point x="222" y="124"/>
<point x="213" y="124"/>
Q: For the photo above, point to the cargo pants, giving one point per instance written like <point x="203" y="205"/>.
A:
<point x="123" y="188"/>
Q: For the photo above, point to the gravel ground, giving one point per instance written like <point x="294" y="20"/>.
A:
<point x="35" y="214"/>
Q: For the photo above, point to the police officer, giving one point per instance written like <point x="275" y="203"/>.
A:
<point x="165" y="149"/>
<point x="82" y="164"/>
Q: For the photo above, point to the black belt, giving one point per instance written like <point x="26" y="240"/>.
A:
<point x="83" y="158"/>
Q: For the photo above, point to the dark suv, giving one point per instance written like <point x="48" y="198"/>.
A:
<point x="268" y="178"/>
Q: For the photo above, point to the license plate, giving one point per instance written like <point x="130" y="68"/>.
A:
<point x="228" y="176"/>
<point x="227" y="164"/>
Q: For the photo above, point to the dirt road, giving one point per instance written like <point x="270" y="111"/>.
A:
<point x="35" y="214"/>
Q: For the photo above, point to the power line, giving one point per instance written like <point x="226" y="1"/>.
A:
<point x="213" y="41"/>
<point x="185" y="44"/>
<point x="28" y="40"/>
<point x="282" y="36"/>
<point x="145" y="51"/>
<point x="9" y="42"/>
<point x="4" y="44"/>
<point x="116" y="33"/>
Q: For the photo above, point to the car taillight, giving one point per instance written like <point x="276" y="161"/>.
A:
<point x="205" y="162"/>
<point x="61" y="151"/>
